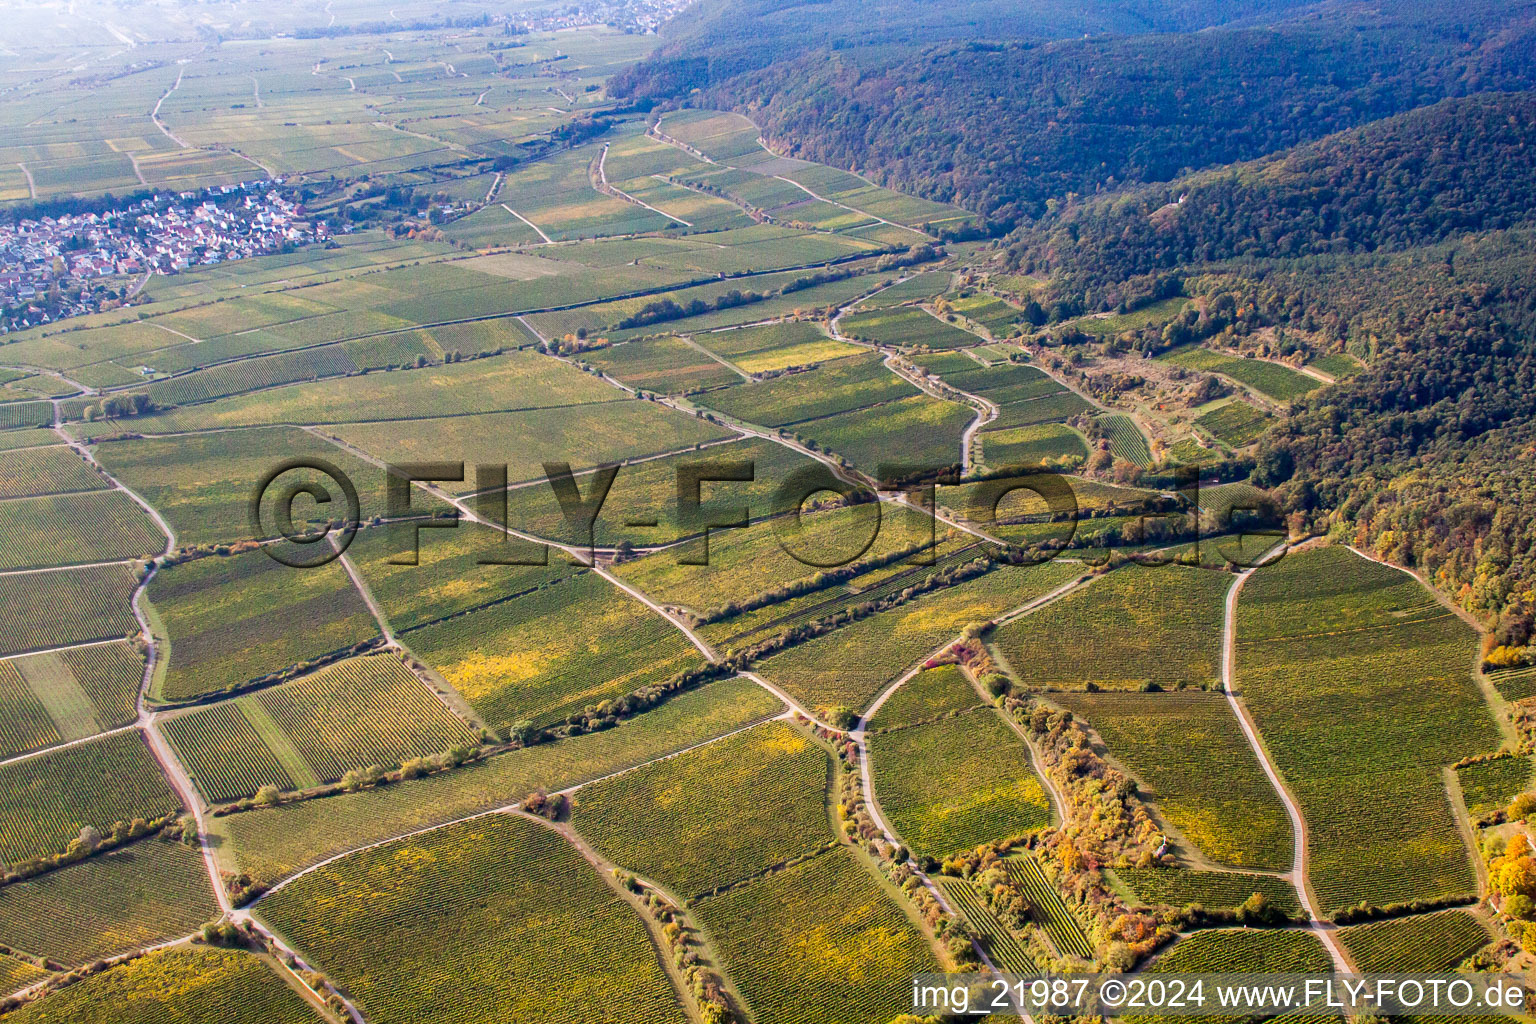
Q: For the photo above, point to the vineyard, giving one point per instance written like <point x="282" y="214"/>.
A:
<point x="1245" y="951"/>
<point x="906" y="327"/>
<point x="110" y="675"/>
<point x="253" y="375"/>
<point x="223" y="753"/>
<point x="24" y="723"/>
<point x="500" y="908"/>
<point x="1125" y="439"/>
<point x="841" y="385"/>
<point x="1279" y="383"/>
<point x="1235" y="424"/>
<point x="75" y="529"/>
<point x="46" y="800"/>
<point x="54" y="470"/>
<point x="1330" y="644"/>
<point x="666" y="365"/>
<point x="1050" y="911"/>
<point x="1190" y="753"/>
<point x="1136" y="626"/>
<point x="1428" y="943"/>
<point x="714" y="816"/>
<point x="75" y="606"/>
<point x="522" y="659"/>
<point x="917" y="288"/>
<point x="930" y="430"/>
<point x="1214" y="890"/>
<point x="1516" y="684"/>
<point x="198" y="983"/>
<point x="996" y="315"/>
<point x="774" y="346"/>
<point x="143" y="893"/>
<point x="272" y="843"/>
<point x="1028" y="446"/>
<point x="953" y="783"/>
<point x="1005" y="949"/>
<point x="1489" y="785"/>
<point x="237" y="618"/>
<point x="793" y="940"/>
<point x="25" y="414"/>
<point x="850" y="665"/>
<point x="360" y="712"/>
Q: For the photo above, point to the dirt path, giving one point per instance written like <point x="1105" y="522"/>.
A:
<point x="531" y="224"/>
<point x="32" y="185"/>
<point x="154" y="115"/>
<point x="1325" y="931"/>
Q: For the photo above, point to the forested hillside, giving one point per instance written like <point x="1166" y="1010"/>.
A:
<point x="1005" y="121"/>
<point x="1460" y="165"/>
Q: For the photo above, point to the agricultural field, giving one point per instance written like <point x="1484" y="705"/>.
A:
<point x="716" y="816"/>
<point x="849" y="666"/>
<point x="1126" y="440"/>
<point x="143" y="893"/>
<point x="197" y="983"/>
<point x="1489" y="785"/>
<point x="999" y="317"/>
<point x="202" y="483"/>
<point x="352" y="714"/>
<point x="1049" y="910"/>
<point x="1428" y="943"/>
<point x="76" y="529"/>
<point x="269" y="844"/>
<point x="521" y="659"/>
<point x="793" y="941"/>
<point x="1213" y="890"/>
<point x="839" y="386"/>
<point x="231" y="619"/>
<point x="71" y="606"/>
<point x="1245" y="951"/>
<point x="1515" y="684"/>
<point x="1326" y="636"/>
<point x="1272" y="380"/>
<point x="1338" y="364"/>
<point x="31" y="472"/>
<point x="501" y="909"/>
<point x="773" y="347"/>
<point x="1235" y="424"/>
<point x="667" y="365"/>
<point x="1031" y="446"/>
<point x="66" y="695"/>
<point x="1190" y="755"/>
<point x="930" y="430"/>
<point x="957" y="779"/>
<point x="47" y="799"/>
<point x="1136" y="627"/>
<point x="906" y="328"/>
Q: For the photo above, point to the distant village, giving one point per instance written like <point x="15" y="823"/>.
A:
<point x="72" y="264"/>
<point x="637" y="16"/>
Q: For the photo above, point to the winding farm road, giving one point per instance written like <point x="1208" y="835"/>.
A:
<point x="1324" y="930"/>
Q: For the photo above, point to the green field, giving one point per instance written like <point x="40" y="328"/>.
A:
<point x="817" y="943"/>
<point x="1328" y="637"/>
<point x="774" y="347"/>
<point x="51" y="470"/>
<point x="715" y="816"/>
<point x="195" y="983"/>
<point x="269" y="844"/>
<point x="500" y="909"/>
<point x="1190" y="753"/>
<point x="948" y="781"/>
<point x="1126" y="440"/>
<point x="1048" y="909"/>
<point x="667" y="365"/>
<point x="1272" y="380"/>
<point x="1489" y="785"/>
<point x="553" y="652"/>
<point x="1434" y="942"/>
<point x="1213" y="890"/>
<point x="232" y="619"/>
<point x="76" y="529"/>
<point x="1136" y="626"/>
<point x="1029" y="446"/>
<point x="74" y="606"/>
<point x="46" y="800"/>
<point x="1236" y="424"/>
<point x="850" y="665"/>
<point x="137" y="895"/>
<point x="843" y="385"/>
<point x="906" y="327"/>
<point x="352" y="714"/>
<point x="67" y="695"/>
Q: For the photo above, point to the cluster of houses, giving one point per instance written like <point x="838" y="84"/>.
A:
<point x="65" y="265"/>
<point x="639" y="16"/>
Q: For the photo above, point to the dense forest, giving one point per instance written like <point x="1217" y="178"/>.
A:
<point x="1460" y="165"/>
<point x="1007" y="120"/>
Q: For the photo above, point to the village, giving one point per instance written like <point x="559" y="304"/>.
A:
<point x="75" y="263"/>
